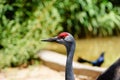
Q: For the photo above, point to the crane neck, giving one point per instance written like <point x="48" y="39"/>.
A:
<point x="69" y="75"/>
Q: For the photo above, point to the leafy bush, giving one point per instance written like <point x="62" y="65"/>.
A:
<point x="23" y="24"/>
<point x="89" y="17"/>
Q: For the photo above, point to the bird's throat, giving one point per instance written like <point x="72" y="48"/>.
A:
<point x="69" y="75"/>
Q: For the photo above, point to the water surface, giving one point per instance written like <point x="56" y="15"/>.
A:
<point x="91" y="48"/>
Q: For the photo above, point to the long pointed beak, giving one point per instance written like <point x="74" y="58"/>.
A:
<point x="54" y="39"/>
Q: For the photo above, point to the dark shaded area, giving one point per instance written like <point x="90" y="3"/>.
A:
<point x="112" y="72"/>
<point x="115" y="2"/>
<point x="1" y="47"/>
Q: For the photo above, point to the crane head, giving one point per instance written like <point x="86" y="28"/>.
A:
<point x="62" y="38"/>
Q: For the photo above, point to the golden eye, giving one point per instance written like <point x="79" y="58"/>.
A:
<point x="61" y="37"/>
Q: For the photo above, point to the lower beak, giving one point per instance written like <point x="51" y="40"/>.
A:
<point x="54" y="39"/>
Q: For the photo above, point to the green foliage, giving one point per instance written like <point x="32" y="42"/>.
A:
<point x="89" y="17"/>
<point x="23" y="24"/>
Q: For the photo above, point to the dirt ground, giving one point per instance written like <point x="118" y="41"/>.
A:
<point x="40" y="72"/>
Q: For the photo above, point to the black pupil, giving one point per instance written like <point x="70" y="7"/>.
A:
<point x="62" y="37"/>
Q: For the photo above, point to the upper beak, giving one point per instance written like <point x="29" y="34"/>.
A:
<point x="54" y="39"/>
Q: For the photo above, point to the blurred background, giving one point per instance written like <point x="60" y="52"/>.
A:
<point x="95" y="24"/>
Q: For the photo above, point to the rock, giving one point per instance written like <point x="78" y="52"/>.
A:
<point x="57" y="61"/>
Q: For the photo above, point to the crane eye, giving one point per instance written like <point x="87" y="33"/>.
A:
<point x="61" y="37"/>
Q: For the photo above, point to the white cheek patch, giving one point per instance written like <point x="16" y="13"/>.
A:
<point x="67" y="38"/>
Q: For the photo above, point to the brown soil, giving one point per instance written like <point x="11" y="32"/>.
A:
<point x="34" y="73"/>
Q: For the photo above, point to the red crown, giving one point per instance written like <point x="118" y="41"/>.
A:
<point x="63" y="35"/>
